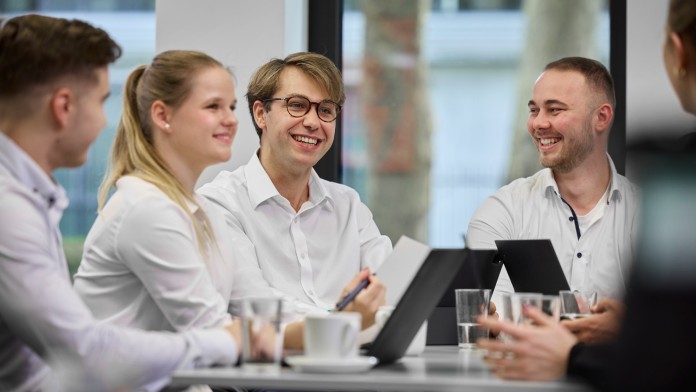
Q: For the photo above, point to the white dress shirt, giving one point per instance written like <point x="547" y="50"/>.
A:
<point x="142" y="267"/>
<point x="306" y="257"/>
<point x="531" y="208"/>
<point x="42" y="319"/>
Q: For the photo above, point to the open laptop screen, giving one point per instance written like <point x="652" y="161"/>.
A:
<point x="533" y="266"/>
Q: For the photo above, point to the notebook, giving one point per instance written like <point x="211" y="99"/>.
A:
<point x="532" y="265"/>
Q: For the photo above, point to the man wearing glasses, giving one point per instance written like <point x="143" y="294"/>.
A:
<point x="298" y="236"/>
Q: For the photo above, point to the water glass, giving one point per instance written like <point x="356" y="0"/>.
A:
<point x="262" y="332"/>
<point x="505" y="311"/>
<point x="551" y="305"/>
<point x="471" y="304"/>
<point x="519" y="301"/>
<point x="576" y="304"/>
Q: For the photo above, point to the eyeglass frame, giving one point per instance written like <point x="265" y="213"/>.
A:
<point x="338" y="107"/>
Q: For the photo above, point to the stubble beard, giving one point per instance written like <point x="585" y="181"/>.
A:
<point x="575" y="151"/>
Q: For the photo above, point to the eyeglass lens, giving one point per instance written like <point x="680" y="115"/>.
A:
<point x="299" y="106"/>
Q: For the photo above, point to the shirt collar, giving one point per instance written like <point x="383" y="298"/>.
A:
<point x="549" y="183"/>
<point x="261" y="188"/>
<point x="29" y="173"/>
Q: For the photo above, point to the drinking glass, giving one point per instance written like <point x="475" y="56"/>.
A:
<point x="551" y="305"/>
<point x="505" y="314"/>
<point x="576" y="304"/>
<point x="471" y="304"/>
<point x="519" y="301"/>
<point x="262" y="332"/>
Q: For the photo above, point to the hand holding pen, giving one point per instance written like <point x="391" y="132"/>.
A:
<point x="364" y="294"/>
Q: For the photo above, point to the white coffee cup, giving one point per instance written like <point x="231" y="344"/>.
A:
<point x="417" y="344"/>
<point x="332" y="335"/>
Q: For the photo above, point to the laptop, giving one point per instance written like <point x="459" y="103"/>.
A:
<point x="479" y="271"/>
<point x="533" y="266"/>
<point x="422" y="295"/>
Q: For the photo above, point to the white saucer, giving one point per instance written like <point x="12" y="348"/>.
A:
<point x="306" y="364"/>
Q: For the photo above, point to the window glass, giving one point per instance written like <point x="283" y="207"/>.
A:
<point x="131" y="24"/>
<point x="437" y="91"/>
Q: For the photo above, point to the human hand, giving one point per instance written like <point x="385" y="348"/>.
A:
<point x="263" y="342"/>
<point x="536" y="352"/>
<point x="602" y="326"/>
<point x="368" y="301"/>
<point x="294" y="336"/>
<point x="492" y="312"/>
<point x="235" y="330"/>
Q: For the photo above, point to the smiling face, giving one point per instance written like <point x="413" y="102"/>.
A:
<point x="203" y="127"/>
<point x="560" y="122"/>
<point x="291" y="146"/>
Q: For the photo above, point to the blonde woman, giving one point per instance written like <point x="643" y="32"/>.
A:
<point x="152" y="259"/>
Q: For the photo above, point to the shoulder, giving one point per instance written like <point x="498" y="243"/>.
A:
<point x="227" y="185"/>
<point x="522" y="189"/>
<point x="24" y="215"/>
<point x="140" y="204"/>
<point x="630" y="192"/>
<point x="340" y="193"/>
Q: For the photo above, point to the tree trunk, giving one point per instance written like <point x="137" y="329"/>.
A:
<point x="397" y="116"/>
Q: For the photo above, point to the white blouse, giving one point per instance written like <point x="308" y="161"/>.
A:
<point x="142" y="266"/>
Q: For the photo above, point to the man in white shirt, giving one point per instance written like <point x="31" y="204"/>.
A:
<point x="299" y="236"/>
<point x="53" y="84"/>
<point x="579" y="201"/>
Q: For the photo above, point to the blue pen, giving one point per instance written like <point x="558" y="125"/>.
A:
<point x="351" y="296"/>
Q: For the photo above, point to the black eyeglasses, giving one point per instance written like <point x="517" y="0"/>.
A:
<point x="298" y="106"/>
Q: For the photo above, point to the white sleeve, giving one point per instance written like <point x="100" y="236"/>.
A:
<point x="374" y="247"/>
<point x="157" y="242"/>
<point x="492" y="221"/>
<point x="40" y="309"/>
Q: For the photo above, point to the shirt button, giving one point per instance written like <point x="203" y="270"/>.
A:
<point x="310" y="292"/>
<point x="570" y="219"/>
<point x="303" y="255"/>
<point x="579" y="255"/>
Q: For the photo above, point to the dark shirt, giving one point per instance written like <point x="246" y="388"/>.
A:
<point x="656" y="350"/>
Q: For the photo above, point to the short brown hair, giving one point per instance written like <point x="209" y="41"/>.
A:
<point x="265" y="81"/>
<point x="681" y="19"/>
<point x="36" y="50"/>
<point x="596" y="74"/>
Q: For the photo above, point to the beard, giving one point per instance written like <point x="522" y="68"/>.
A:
<point x="575" y="150"/>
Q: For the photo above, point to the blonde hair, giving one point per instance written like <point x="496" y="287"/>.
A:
<point x="167" y="79"/>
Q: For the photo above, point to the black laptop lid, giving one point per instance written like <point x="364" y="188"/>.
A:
<point x="533" y="266"/>
<point x="480" y="270"/>
<point x="421" y="296"/>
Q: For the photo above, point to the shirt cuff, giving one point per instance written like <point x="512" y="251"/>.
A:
<point x="573" y="357"/>
<point x="213" y="346"/>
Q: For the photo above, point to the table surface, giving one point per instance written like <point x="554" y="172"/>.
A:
<point x="439" y="368"/>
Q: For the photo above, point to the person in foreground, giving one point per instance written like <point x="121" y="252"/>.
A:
<point x="300" y="237"/>
<point x="651" y="352"/>
<point x="153" y="259"/>
<point x="51" y="110"/>
<point x="578" y="201"/>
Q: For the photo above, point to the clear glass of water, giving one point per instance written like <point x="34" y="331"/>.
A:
<point x="576" y="304"/>
<point x="262" y="332"/>
<point x="551" y="305"/>
<point x="505" y="311"/>
<point x="471" y="304"/>
<point x="519" y="301"/>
